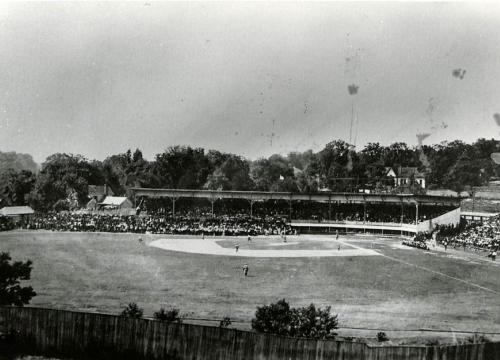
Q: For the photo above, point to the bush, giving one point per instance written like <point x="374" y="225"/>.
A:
<point x="311" y="322"/>
<point x="225" y="322"/>
<point x="132" y="311"/>
<point x="478" y="339"/>
<point x="432" y="342"/>
<point x="382" y="336"/>
<point x="172" y="315"/>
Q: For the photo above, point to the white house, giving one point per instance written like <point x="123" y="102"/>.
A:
<point x="404" y="176"/>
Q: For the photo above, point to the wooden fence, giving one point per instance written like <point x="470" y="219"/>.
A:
<point x="77" y="334"/>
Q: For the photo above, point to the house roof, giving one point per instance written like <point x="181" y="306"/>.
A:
<point x="16" y="210"/>
<point x="408" y="172"/>
<point x="405" y="172"/>
<point x="113" y="200"/>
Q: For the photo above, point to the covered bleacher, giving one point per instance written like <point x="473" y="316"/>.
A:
<point x="330" y="203"/>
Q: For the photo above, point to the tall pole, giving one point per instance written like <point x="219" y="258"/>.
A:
<point x="352" y="119"/>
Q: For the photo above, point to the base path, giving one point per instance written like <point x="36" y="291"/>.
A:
<point x="210" y="247"/>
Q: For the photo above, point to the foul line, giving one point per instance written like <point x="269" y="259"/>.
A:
<point x="443" y="274"/>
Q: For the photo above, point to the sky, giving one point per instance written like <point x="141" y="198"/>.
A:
<point x="252" y="78"/>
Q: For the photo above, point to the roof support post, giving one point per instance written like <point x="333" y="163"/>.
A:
<point x="174" y="199"/>
<point x="330" y="207"/>
<point x="402" y="215"/>
<point x="416" y="213"/>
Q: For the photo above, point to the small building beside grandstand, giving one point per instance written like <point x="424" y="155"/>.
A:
<point x="115" y="203"/>
<point x="16" y="213"/>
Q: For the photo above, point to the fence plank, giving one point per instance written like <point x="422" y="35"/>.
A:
<point x="67" y="333"/>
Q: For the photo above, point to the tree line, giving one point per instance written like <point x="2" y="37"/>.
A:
<point x="62" y="181"/>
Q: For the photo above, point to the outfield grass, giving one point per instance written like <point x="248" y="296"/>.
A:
<point x="404" y="289"/>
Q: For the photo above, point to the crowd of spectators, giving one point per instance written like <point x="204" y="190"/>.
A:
<point x="419" y="242"/>
<point x="6" y="223"/>
<point x="380" y="213"/>
<point x="195" y="216"/>
<point x="476" y="236"/>
<point x="186" y="223"/>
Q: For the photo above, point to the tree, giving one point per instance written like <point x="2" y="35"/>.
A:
<point x="337" y="160"/>
<point x="399" y="153"/>
<point x="182" y="167"/>
<point x="17" y="162"/>
<point x="132" y="310"/>
<point x="123" y="171"/>
<point x="372" y="153"/>
<point x="301" y="160"/>
<point x="231" y="174"/>
<point x="273" y="319"/>
<point x="64" y="177"/>
<point x="172" y="315"/>
<point x="225" y="322"/>
<point x="311" y="322"/>
<point x="273" y="174"/>
<point x="11" y="273"/>
<point x="382" y="336"/>
<point x="15" y="185"/>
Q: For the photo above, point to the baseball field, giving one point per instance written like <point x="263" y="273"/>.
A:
<point x="369" y="281"/>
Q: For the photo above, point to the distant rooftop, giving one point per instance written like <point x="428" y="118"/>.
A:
<point x="16" y="210"/>
<point x="113" y="200"/>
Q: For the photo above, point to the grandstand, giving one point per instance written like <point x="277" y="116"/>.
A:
<point x="328" y="211"/>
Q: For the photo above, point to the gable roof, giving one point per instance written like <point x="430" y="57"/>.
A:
<point x="405" y="172"/>
<point x="16" y="210"/>
<point x="114" y="200"/>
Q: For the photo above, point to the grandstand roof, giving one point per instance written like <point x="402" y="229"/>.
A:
<point x="16" y="210"/>
<point x="441" y="192"/>
<point x="326" y="196"/>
